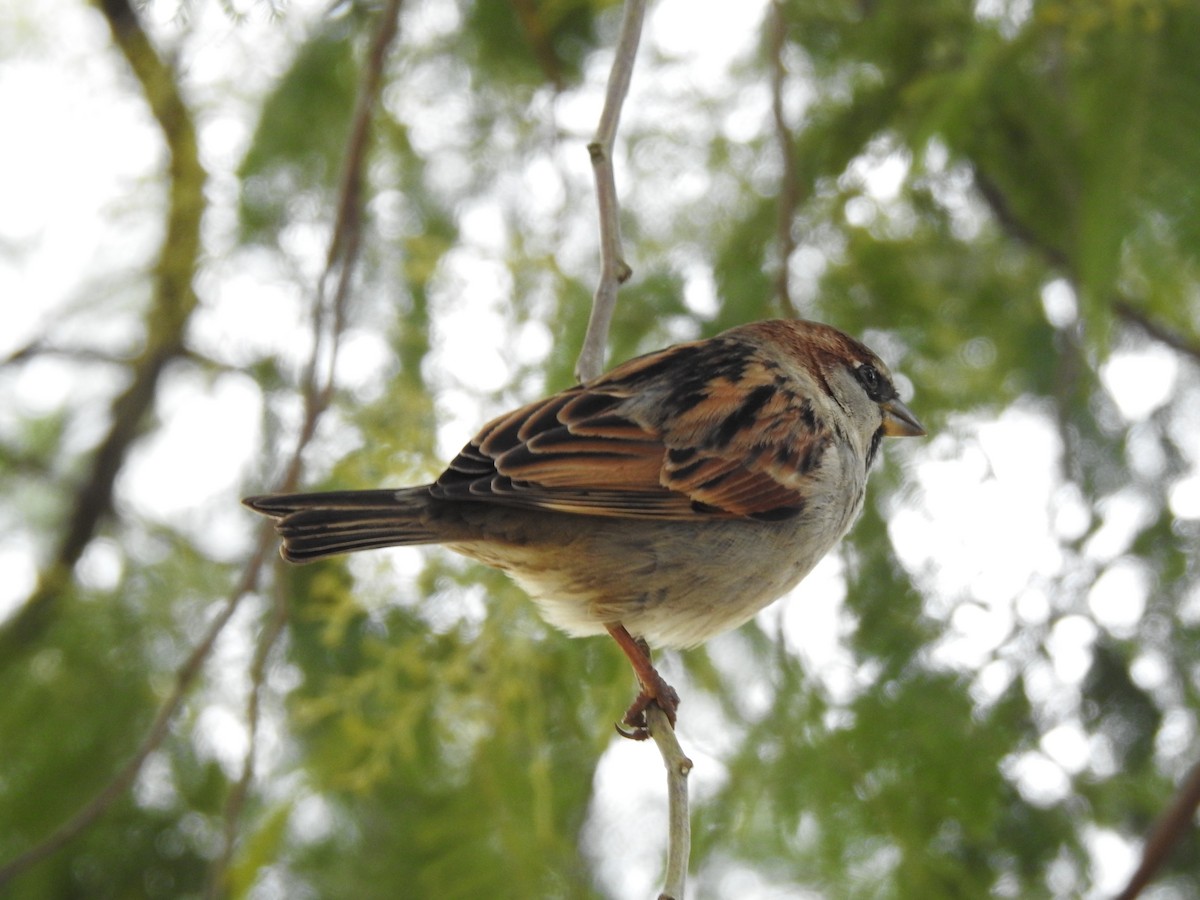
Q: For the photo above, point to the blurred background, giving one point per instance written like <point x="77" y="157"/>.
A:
<point x="991" y="689"/>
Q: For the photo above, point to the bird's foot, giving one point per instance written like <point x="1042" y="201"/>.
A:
<point x="654" y="688"/>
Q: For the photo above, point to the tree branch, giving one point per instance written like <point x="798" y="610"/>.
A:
<point x="1012" y="223"/>
<point x="789" y="180"/>
<point x="1166" y="834"/>
<point x="317" y="385"/>
<point x="171" y="306"/>
<point x="1131" y="314"/>
<point x="37" y="348"/>
<point x="217" y="885"/>
<point x="184" y="678"/>
<point x="614" y="271"/>
<point x="329" y="319"/>
<point x="315" y="403"/>
<point x="679" y="834"/>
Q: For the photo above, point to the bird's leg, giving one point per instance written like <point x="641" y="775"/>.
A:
<point x="654" y="689"/>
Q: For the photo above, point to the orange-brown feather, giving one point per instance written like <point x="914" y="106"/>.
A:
<point x="741" y="443"/>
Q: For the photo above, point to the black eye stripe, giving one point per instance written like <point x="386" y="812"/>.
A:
<point x="877" y="387"/>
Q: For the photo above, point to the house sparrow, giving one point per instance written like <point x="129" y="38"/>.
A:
<point x="664" y="502"/>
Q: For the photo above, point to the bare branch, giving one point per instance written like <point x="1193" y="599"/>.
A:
<point x="614" y="271"/>
<point x="789" y="180"/>
<point x="1166" y="834"/>
<point x="679" y="834"/>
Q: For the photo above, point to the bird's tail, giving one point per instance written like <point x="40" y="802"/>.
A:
<point x="314" y="526"/>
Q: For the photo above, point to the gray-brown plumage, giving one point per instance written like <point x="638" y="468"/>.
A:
<point x="673" y="497"/>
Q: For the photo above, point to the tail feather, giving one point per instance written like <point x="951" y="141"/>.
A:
<point x="314" y="526"/>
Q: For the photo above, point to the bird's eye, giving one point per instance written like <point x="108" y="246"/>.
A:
<point x="870" y="379"/>
<point x="876" y="385"/>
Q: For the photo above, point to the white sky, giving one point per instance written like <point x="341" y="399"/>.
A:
<point x="982" y="524"/>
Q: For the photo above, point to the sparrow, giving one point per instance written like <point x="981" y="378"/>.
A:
<point x="665" y="502"/>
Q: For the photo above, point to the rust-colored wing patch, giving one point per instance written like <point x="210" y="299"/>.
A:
<point x="711" y="428"/>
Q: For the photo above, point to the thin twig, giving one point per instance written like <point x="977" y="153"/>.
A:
<point x="234" y="804"/>
<point x="614" y="271"/>
<point x="345" y="239"/>
<point x="121" y="782"/>
<point x="1130" y="313"/>
<point x="789" y="179"/>
<point x="347" y="222"/>
<point x="1166" y="834"/>
<point x="1015" y="226"/>
<point x="37" y="349"/>
<point x="679" y="834"/>
<point x="341" y="258"/>
<point x="184" y="677"/>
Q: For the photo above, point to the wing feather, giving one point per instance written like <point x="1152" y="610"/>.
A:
<point x="714" y="428"/>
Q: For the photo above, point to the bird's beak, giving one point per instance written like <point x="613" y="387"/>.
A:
<point x="899" y="421"/>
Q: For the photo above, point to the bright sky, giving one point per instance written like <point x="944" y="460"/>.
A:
<point x="982" y="524"/>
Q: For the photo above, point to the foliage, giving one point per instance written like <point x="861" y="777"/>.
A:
<point x="1001" y="197"/>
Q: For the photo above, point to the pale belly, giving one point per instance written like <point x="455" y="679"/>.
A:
<point x="674" y="584"/>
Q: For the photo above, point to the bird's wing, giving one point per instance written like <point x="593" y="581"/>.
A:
<point x="708" y="429"/>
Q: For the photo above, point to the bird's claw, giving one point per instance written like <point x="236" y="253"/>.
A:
<point x="634" y="724"/>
